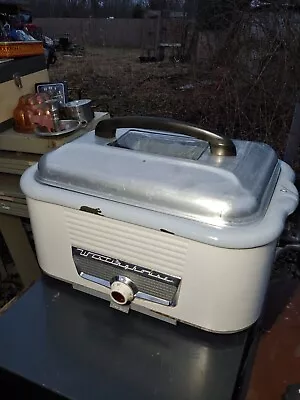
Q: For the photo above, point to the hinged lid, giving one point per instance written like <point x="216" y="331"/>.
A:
<point x="172" y="174"/>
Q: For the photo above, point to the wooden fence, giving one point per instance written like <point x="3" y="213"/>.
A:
<point x="108" y="33"/>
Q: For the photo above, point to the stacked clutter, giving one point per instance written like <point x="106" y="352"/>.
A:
<point x="18" y="77"/>
<point x="18" y="38"/>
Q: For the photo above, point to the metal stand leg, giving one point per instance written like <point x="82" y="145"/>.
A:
<point x="18" y="244"/>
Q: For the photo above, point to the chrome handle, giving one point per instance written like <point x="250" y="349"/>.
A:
<point x="219" y="145"/>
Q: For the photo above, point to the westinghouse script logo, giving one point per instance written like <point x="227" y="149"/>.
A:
<point x="127" y="267"/>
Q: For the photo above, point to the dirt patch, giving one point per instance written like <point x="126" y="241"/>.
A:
<point x="121" y="85"/>
<point x="214" y="97"/>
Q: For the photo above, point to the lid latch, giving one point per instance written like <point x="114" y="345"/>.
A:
<point x="18" y="80"/>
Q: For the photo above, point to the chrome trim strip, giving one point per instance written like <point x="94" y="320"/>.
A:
<point x="148" y="297"/>
<point x="139" y="295"/>
<point x="125" y="266"/>
<point x="94" y="279"/>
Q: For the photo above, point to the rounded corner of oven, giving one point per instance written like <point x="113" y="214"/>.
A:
<point x="28" y="180"/>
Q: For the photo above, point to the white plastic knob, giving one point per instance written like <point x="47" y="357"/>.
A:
<point x="121" y="293"/>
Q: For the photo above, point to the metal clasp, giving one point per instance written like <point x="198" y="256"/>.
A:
<point x="18" y="80"/>
<point x="91" y="210"/>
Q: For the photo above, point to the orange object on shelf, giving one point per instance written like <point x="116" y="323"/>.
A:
<point x="32" y="111"/>
<point x="20" y="49"/>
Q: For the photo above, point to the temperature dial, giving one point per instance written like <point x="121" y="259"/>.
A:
<point x="122" y="290"/>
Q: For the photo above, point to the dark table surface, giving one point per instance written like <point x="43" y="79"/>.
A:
<point x="76" y="346"/>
